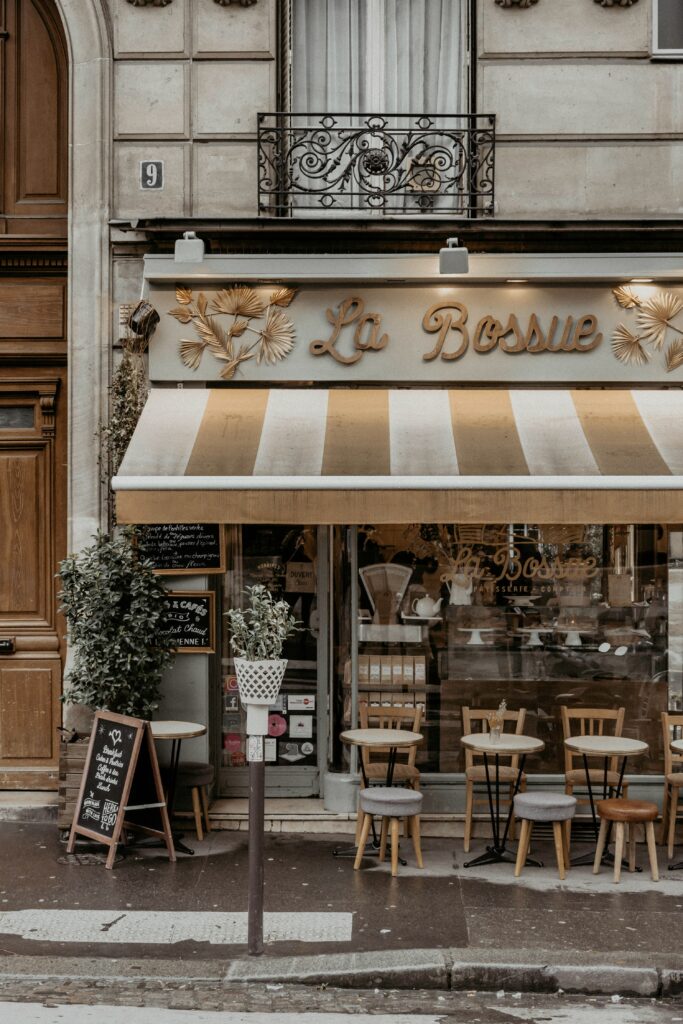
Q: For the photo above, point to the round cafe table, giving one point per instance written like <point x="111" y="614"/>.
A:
<point x="391" y="738"/>
<point x="605" y="747"/>
<point x="677" y="747"/>
<point x="506" y="745"/>
<point x="176" y="732"/>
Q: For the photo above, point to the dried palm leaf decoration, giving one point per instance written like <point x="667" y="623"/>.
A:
<point x="268" y="342"/>
<point x="654" y="319"/>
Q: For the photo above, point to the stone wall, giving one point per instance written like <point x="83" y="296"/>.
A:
<point x="588" y="124"/>
<point x="189" y="79"/>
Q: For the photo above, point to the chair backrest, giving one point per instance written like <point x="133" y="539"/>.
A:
<point x="392" y="716"/>
<point x="590" y="722"/>
<point x="476" y="720"/>
<point x="672" y="729"/>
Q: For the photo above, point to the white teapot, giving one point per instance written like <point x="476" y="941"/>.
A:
<point x="426" y="607"/>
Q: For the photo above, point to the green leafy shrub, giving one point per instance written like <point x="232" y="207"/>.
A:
<point x="260" y="630"/>
<point x="116" y="610"/>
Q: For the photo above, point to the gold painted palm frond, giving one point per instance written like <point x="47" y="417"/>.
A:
<point x="191" y="353"/>
<point x="674" y="355"/>
<point x="282" y="296"/>
<point x="626" y="297"/>
<point x="181" y="313"/>
<point x="276" y="339"/>
<point x="228" y="371"/>
<point x="183" y="295"/>
<point x="627" y="347"/>
<point x="240" y="300"/>
<point x="655" y="315"/>
<point x="211" y="333"/>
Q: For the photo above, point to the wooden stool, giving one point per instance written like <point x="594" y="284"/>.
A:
<point x="555" y="807"/>
<point x="631" y="813"/>
<point x="197" y="776"/>
<point x="391" y="803"/>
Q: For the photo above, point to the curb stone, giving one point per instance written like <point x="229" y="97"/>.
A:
<point x="418" y="969"/>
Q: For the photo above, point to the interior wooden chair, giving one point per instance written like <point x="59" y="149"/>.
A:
<point x="590" y="722"/>
<point x="476" y="720"/>
<point x="672" y="729"/>
<point x="394" y="716"/>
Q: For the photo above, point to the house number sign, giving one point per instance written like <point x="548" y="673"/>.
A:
<point x="151" y="174"/>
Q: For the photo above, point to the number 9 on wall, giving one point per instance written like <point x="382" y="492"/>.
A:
<point x="151" y="174"/>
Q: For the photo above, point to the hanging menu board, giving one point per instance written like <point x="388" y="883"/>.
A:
<point x="191" y="621"/>
<point x="184" y="548"/>
<point x="121" y="748"/>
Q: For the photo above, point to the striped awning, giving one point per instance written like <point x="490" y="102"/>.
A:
<point x="405" y="455"/>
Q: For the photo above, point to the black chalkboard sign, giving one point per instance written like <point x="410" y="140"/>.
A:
<point x="184" y="548"/>
<point x="121" y="759"/>
<point x="191" y="621"/>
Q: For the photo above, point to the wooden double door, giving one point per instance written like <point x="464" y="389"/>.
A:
<point x="33" y="393"/>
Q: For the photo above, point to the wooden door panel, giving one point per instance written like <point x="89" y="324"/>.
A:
<point x="31" y="309"/>
<point x="29" y="697"/>
<point x="24" y="500"/>
<point x="33" y="69"/>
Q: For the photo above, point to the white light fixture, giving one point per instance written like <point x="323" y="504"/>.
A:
<point x="517" y="280"/>
<point x="642" y="280"/>
<point x="189" y="248"/>
<point x="454" y="259"/>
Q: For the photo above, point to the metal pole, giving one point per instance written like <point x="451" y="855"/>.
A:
<point x="257" y="771"/>
<point x="353" y="566"/>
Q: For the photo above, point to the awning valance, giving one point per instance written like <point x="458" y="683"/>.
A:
<point x="304" y="455"/>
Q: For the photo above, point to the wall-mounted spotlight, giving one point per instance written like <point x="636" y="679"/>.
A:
<point x="454" y="259"/>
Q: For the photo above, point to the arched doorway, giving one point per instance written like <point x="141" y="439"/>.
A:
<point x="33" y="386"/>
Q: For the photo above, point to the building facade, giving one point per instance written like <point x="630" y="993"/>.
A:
<point x="359" y="136"/>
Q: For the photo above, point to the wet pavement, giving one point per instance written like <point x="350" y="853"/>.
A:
<point x="195" y="908"/>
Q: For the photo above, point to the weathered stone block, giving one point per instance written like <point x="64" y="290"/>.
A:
<point x="234" y="30"/>
<point x="149" y="30"/>
<point x="224" y="180"/>
<point x="554" y="28"/>
<point x="130" y="200"/>
<point x="150" y="99"/>
<point x="227" y="96"/>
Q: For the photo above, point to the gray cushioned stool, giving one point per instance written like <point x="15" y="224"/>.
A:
<point x="197" y="776"/>
<point x="391" y="803"/>
<point x="556" y="807"/>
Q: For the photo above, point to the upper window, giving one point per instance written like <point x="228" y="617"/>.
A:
<point x="378" y="56"/>
<point x="668" y="28"/>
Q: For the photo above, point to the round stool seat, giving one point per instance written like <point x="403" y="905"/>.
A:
<point x="545" y="806"/>
<point x="195" y="773"/>
<point x="390" y="801"/>
<point x="627" y="810"/>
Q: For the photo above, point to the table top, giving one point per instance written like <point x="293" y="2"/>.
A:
<point x="171" y="730"/>
<point x="381" y="737"/>
<point x="677" y="746"/>
<point x="607" y="746"/>
<point x="507" y="743"/>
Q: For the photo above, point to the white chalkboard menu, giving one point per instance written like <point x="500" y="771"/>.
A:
<point x="184" y="548"/>
<point x="191" y="621"/>
<point x="121" y="785"/>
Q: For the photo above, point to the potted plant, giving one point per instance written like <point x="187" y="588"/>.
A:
<point x="116" y="612"/>
<point x="258" y="635"/>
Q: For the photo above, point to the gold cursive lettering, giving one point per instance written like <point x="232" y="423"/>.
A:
<point x="348" y="312"/>
<point x="436" y="320"/>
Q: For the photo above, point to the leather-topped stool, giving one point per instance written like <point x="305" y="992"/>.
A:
<point x="621" y="813"/>
<point x="197" y="776"/>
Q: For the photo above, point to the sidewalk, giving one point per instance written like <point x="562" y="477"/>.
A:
<point x="443" y="927"/>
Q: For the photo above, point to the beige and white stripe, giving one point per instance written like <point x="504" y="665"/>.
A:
<point x="421" y="438"/>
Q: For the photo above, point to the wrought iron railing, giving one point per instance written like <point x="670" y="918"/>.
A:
<point x="376" y="163"/>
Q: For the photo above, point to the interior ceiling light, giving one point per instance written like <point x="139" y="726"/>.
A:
<point x="454" y="259"/>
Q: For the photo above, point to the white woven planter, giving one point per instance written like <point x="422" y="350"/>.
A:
<point x="259" y="682"/>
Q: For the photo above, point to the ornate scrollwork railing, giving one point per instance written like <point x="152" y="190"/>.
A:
<point x="381" y="163"/>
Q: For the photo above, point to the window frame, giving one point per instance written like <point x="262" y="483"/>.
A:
<point x="659" y="52"/>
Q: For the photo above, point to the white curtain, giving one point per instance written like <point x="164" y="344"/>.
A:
<point x="378" y="56"/>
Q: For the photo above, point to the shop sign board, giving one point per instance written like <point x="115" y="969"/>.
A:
<point x="121" y="785"/>
<point x="191" y="621"/>
<point x="184" y="548"/>
<point x="418" y="333"/>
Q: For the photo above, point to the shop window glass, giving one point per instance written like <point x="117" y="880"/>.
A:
<point x="540" y="616"/>
<point x="668" y="27"/>
<point x="284" y="559"/>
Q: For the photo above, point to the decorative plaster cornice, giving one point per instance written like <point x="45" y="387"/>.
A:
<point x="616" y="3"/>
<point x="150" y="3"/>
<point x="228" y="3"/>
<point x="516" y="3"/>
